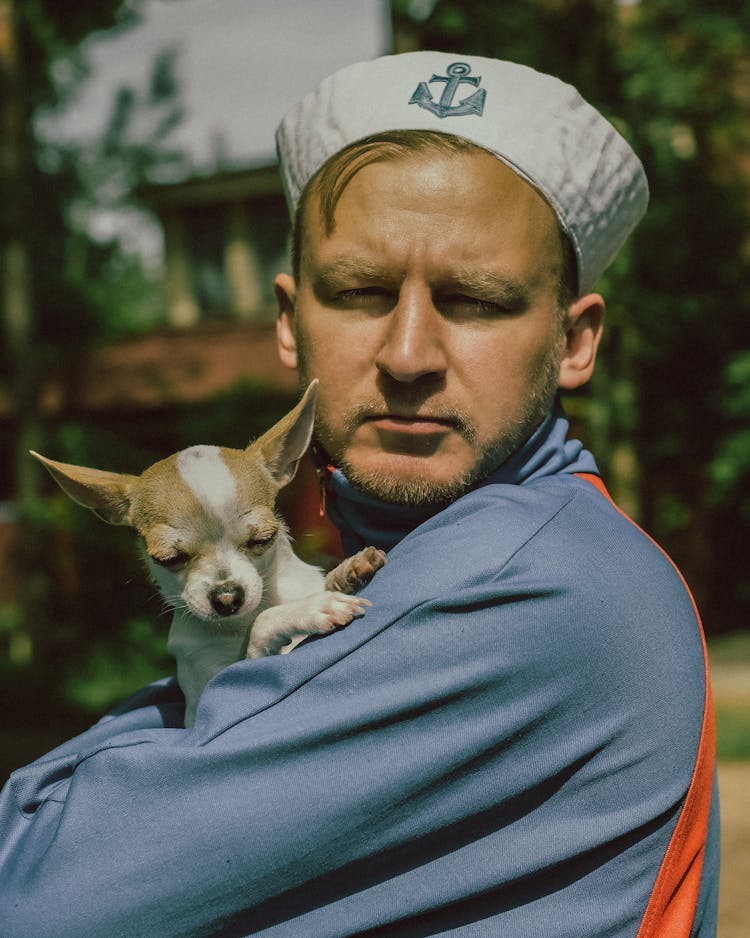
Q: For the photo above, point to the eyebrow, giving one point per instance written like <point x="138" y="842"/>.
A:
<point x="343" y="267"/>
<point x="485" y="283"/>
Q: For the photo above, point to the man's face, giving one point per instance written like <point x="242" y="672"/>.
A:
<point x="431" y="317"/>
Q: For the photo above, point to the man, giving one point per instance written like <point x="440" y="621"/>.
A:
<point x="516" y="739"/>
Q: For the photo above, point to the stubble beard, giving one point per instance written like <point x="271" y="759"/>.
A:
<point x="413" y="490"/>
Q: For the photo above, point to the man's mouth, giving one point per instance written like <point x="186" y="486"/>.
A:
<point x="412" y="424"/>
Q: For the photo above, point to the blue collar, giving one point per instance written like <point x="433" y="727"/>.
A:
<point x="364" y="520"/>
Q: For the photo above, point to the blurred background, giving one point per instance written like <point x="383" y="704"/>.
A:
<point x="141" y="224"/>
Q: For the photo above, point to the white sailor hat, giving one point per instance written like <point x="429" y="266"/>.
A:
<point x="538" y="125"/>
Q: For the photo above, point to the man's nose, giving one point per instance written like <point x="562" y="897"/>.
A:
<point x="412" y="346"/>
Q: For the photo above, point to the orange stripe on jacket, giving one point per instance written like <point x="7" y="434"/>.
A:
<point x="674" y="898"/>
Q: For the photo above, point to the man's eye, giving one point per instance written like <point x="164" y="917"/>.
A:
<point x="475" y="305"/>
<point x="173" y="562"/>
<point x="361" y="296"/>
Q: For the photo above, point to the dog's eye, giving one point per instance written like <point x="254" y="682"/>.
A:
<point x="172" y="563"/>
<point x="256" y="545"/>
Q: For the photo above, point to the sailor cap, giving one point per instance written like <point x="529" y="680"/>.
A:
<point x="538" y="125"/>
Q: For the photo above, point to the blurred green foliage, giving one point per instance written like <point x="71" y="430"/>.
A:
<point x="730" y="467"/>
<point x="732" y="733"/>
<point x="114" y="665"/>
<point x="730" y="671"/>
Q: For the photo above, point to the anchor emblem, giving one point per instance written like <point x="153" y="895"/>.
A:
<point x="457" y="74"/>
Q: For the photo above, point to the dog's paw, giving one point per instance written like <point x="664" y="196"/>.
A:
<point x="364" y="565"/>
<point x="334" y="611"/>
<point x="324" y="612"/>
<point x="356" y="571"/>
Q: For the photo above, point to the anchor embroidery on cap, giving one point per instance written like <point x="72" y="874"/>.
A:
<point x="457" y="74"/>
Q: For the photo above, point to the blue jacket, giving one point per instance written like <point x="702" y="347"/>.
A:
<point x="515" y="740"/>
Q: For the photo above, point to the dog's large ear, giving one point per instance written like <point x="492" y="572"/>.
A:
<point x="107" y="494"/>
<point x="283" y="446"/>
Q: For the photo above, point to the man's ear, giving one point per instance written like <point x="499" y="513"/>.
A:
<point x="107" y="494"/>
<point x="283" y="446"/>
<point x="286" y="295"/>
<point x="583" y="332"/>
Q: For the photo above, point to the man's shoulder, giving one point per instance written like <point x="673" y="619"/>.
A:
<point x="562" y="523"/>
<point x="557" y="562"/>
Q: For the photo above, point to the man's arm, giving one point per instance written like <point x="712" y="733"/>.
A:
<point x="453" y="758"/>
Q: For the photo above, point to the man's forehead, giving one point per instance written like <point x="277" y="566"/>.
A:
<point x="332" y="261"/>
<point x="473" y="188"/>
<point x="426" y="180"/>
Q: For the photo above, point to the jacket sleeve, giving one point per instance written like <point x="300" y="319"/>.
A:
<point x="469" y="752"/>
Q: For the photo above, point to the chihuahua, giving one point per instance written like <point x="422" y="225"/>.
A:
<point x="220" y="554"/>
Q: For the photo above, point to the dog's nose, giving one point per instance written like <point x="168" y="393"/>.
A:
<point x="227" y="598"/>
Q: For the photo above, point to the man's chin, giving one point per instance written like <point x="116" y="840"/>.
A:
<point x="407" y="480"/>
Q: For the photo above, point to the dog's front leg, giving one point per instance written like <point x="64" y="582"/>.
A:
<point x="292" y="621"/>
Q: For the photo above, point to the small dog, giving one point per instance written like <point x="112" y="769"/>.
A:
<point x="220" y="554"/>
